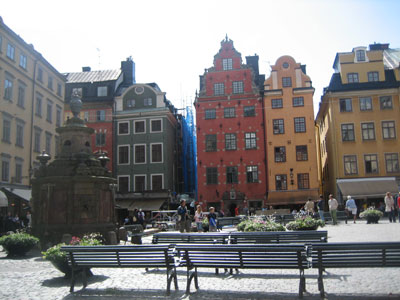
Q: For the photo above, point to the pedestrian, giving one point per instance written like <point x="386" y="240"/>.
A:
<point x="333" y="205"/>
<point x="351" y="207"/>
<point x="212" y="220"/>
<point x="236" y="211"/>
<point x="309" y="207"/>
<point x="320" y="205"/>
<point x="183" y="216"/>
<point x="389" y="207"/>
<point x="28" y="219"/>
<point x="398" y="204"/>
<point x="198" y="218"/>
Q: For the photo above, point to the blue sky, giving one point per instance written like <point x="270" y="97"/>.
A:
<point x="172" y="42"/>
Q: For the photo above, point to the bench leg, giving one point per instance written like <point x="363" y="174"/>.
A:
<point x="189" y="280"/>
<point x="71" y="289"/>
<point x="321" y="282"/>
<point x="171" y="275"/>
<point x="302" y="284"/>
<point x="84" y="278"/>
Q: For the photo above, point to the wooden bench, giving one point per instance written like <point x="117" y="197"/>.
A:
<point x="353" y="255"/>
<point x="198" y="238"/>
<point x="82" y="258"/>
<point x="250" y="256"/>
<point x="340" y="214"/>
<point x="277" y="237"/>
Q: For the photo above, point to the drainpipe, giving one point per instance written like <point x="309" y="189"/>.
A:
<point x="31" y="135"/>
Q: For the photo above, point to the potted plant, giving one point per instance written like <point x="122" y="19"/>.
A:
<point x="258" y="224"/>
<point x="372" y="215"/>
<point x="59" y="258"/>
<point x="205" y="224"/>
<point x="18" y="244"/>
<point x="305" y="223"/>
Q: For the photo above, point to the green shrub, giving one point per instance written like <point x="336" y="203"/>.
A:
<point x="305" y="223"/>
<point x="18" y="243"/>
<point x="371" y="213"/>
<point x="259" y="224"/>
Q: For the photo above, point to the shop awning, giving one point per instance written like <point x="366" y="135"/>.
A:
<point x="23" y="194"/>
<point x="3" y="200"/>
<point x="368" y="187"/>
<point x="291" y="197"/>
<point x="145" y="204"/>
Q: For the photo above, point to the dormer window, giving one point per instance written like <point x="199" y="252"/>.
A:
<point x="352" y="77"/>
<point x="227" y="64"/>
<point x="360" y="55"/>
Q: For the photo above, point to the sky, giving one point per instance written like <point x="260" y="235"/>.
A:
<point x="172" y="42"/>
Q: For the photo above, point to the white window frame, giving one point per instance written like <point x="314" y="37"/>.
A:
<point x="151" y="125"/>
<point x="129" y="181"/>
<point x="10" y="51"/>
<point x="134" y="126"/>
<point x="227" y="64"/>
<point x="23" y="60"/>
<point x="129" y="128"/>
<point x="134" y="181"/>
<point x="162" y="153"/>
<point x="151" y="180"/>
<point x="134" y="154"/>
<point x="101" y="90"/>
<point x="129" y="155"/>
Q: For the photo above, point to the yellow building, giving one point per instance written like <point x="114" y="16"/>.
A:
<point x="31" y="107"/>
<point x="358" y="123"/>
<point x="290" y="134"/>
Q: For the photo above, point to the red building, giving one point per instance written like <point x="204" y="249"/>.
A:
<point x="230" y="133"/>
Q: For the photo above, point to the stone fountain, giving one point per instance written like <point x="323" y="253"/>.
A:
<point x="74" y="194"/>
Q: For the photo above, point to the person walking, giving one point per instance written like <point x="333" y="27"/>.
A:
<point x="351" y="207"/>
<point x="198" y="218"/>
<point x="320" y="206"/>
<point x="398" y="205"/>
<point x="389" y="207"/>
<point x="333" y="205"/>
<point x="212" y="220"/>
<point x="183" y="216"/>
<point x="309" y="207"/>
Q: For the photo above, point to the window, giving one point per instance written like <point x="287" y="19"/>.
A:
<point x="278" y="126"/>
<point x="276" y="103"/>
<point x="280" y="154"/>
<point x="5" y="170"/>
<point x="210" y="114"/>
<point x="40" y="76"/>
<point x="230" y="141"/>
<point x="280" y="182"/>
<point x="49" y="113"/>
<point x="77" y="92"/>
<point x="6" y="130"/>
<point x="18" y="171"/>
<point x="123" y="184"/>
<point x="140" y="183"/>
<point x="347" y="132"/>
<point x="22" y="61"/>
<point x="373" y="76"/>
<point x="20" y="134"/>
<point x="36" y="144"/>
<point x="386" y="102"/>
<point x="365" y="103"/>
<point x="8" y="89"/>
<point x="140" y="154"/>
<point x="227" y="64"/>
<point x="10" y="51"/>
<point x="58" y="116"/>
<point x="360" y="55"/>
<point x="368" y="131"/>
<point x="157" y="182"/>
<point x="350" y="165"/>
<point x="252" y="174"/>
<point x="231" y="175"/>
<point x="249" y="111"/>
<point x="50" y="83"/>
<point x="211" y="142"/>
<point x="100" y="139"/>
<point x="371" y="163"/>
<point x="300" y="124"/>
<point x="286" y="81"/>
<point x="48" y="143"/>
<point x="139" y="90"/>
<point x="140" y="126"/>
<point x="59" y="89"/>
<point x="301" y="153"/>
<point x="229" y="112"/>
<point x="352" y="77"/>
<point x="148" y="102"/>
<point x="156" y="125"/>
<point x="101" y="115"/>
<point x="303" y="181"/>
<point x="388" y="130"/>
<point x="101" y="91"/>
<point x="156" y="153"/>
<point x="298" y="101"/>
<point x="237" y="87"/>
<point x="345" y="105"/>
<point x="212" y="175"/>
<point x="130" y="103"/>
<point x="250" y="139"/>
<point x="86" y="115"/>
<point x="123" y="128"/>
<point x="392" y="162"/>
<point x="21" y="96"/>
<point x="123" y="155"/>
<point x="219" y="89"/>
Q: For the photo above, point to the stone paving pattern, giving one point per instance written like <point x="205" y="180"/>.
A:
<point x="32" y="278"/>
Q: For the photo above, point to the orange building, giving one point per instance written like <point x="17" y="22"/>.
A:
<point x="290" y="134"/>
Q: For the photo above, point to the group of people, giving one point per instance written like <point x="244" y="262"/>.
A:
<point x="392" y="205"/>
<point x="14" y="223"/>
<point x="138" y="217"/>
<point x="184" y="222"/>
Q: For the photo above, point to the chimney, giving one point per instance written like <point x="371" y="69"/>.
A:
<point x="252" y="61"/>
<point x="86" y="69"/>
<point x="128" y="69"/>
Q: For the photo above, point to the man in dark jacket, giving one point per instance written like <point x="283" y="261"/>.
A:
<point x="320" y="206"/>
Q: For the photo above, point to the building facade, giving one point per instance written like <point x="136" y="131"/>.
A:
<point x="290" y="134"/>
<point x="358" y="123"/>
<point x="230" y="133"/>
<point x="31" y="108"/>
<point x="98" y="90"/>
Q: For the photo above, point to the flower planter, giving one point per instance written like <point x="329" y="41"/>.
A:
<point x="65" y="268"/>
<point x="373" y="219"/>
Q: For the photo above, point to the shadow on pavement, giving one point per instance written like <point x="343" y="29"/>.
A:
<point x="65" y="282"/>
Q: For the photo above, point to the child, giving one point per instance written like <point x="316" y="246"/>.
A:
<point x="212" y="220"/>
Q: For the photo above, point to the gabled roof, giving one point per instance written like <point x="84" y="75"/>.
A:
<point x="93" y="76"/>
